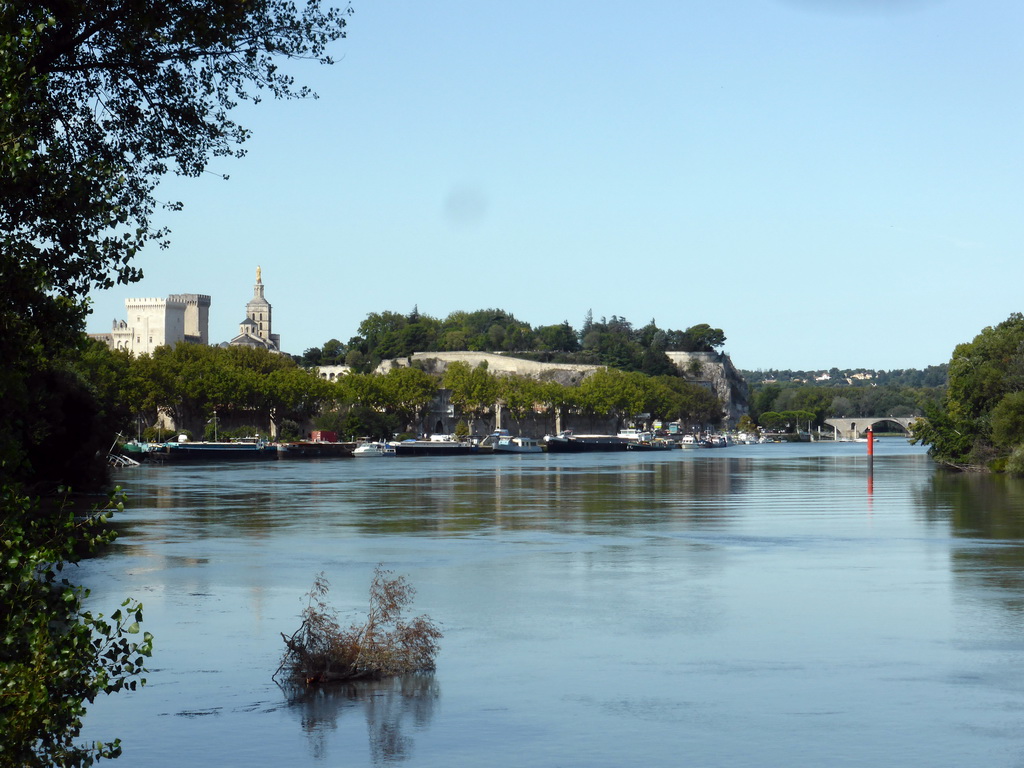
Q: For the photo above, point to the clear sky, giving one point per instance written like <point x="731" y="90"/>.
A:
<point x="831" y="182"/>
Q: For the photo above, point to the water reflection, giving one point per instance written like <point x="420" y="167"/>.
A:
<point x="458" y="498"/>
<point x="391" y="707"/>
<point x="987" y="513"/>
<point x="779" y="605"/>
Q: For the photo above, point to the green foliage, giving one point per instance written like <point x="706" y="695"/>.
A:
<point x="1015" y="462"/>
<point x="790" y="421"/>
<point x="519" y="394"/>
<point x="462" y="431"/>
<point x="227" y="434"/>
<point x="98" y="102"/>
<point x="829" y="401"/>
<point x="155" y="434"/>
<point x="407" y="392"/>
<point x="289" y="431"/>
<point x="615" y="342"/>
<point x="473" y="391"/>
<point x="979" y="421"/>
<point x="933" y="376"/>
<point x="54" y="656"/>
<point x="1008" y="421"/>
<point x="701" y="338"/>
<point x="320" y="651"/>
<point x="192" y="381"/>
<point x="746" y="424"/>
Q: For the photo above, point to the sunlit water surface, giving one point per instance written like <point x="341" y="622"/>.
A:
<point x="747" y="606"/>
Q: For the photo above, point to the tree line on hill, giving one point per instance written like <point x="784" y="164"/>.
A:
<point x="932" y="376"/>
<point x="613" y="342"/>
<point x="840" y="396"/>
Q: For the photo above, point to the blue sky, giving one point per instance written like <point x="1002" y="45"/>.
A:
<point x="831" y="182"/>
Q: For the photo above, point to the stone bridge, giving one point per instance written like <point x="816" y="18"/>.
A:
<point x="852" y="428"/>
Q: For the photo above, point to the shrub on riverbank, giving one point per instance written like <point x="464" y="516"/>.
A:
<point x="320" y="651"/>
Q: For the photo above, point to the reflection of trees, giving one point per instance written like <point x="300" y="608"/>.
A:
<point x="465" y="497"/>
<point x="535" y="496"/>
<point x="388" y="706"/>
<point x="986" y="507"/>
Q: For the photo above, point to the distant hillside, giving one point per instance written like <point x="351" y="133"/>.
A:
<point x="932" y="376"/>
<point x="837" y="393"/>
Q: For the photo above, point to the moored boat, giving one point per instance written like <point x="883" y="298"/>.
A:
<point x="302" y="449"/>
<point x="437" y="445"/>
<point x="640" y="440"/>
<point x="373" y="449"/>
<point x="654" y="444"/>
<point x="246" y="450"/>
<point x="510" y="444"/>
<point x="567" y="442"/>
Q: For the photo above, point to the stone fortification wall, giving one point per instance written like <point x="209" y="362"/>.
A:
<point x="436" y="362"/>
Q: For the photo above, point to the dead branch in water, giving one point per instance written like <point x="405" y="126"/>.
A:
<point x="320" y="651"/>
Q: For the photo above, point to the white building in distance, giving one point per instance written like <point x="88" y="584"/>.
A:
<point x="152" y="323"/>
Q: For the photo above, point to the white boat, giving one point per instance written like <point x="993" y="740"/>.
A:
<point x="641" y="440"/>
<point x="374" y="449"/>
<point x="509" y="444"/>
<point x="689" y="443"/>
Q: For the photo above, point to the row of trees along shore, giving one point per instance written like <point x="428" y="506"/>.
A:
<point x="98" y="102"/>
<point x="246" y="386"/>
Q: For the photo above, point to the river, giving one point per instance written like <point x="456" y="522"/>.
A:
<point x="770" y="605"/>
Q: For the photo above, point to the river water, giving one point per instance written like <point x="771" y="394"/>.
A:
<point x="776" y="605"/>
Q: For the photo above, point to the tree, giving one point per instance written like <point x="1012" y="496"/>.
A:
<point x="518" y="394"/>
<point x="960" y="431"/>
<point x="311" y="357"/>
<point x="100" y="100"/>
<point x="608" y="391"/>
<point x="472" y="390"/>
<point x="557" y="338"/>
<point x="704" y="338"/>
<point x="292" y="393"/>
<point x="333" y="353"/>
<point x="1008" y="421"/>
<point x="407" y="392"/>
<point x="54" y="656"/>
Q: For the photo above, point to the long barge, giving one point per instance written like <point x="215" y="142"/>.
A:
<point x="566" y="442"/>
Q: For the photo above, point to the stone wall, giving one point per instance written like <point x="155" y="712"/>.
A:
<point x="436" y="362"/>
<point x="711" y="369"/>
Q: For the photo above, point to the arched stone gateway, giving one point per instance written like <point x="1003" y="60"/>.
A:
<point x="852" y="428"/>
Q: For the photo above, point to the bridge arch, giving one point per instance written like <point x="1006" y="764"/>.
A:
<point x="855" y="427"/>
